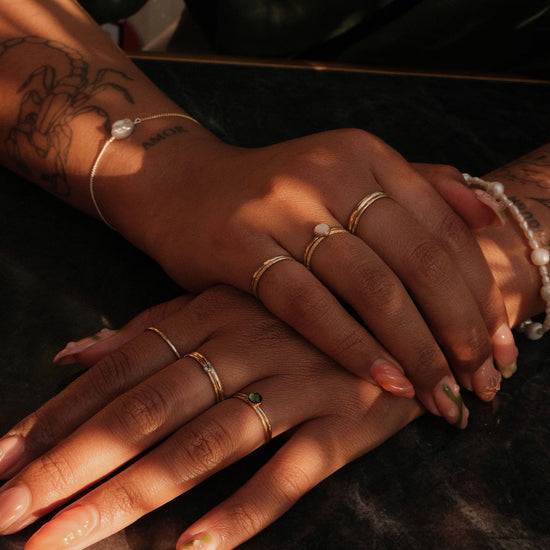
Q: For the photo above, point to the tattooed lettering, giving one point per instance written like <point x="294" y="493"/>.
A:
<point x="53" y="96"/>
<point x="531" y="220"/>
<point x="168" y="132"/>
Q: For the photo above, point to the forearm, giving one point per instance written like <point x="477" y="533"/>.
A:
<point x="527" y="183"/>
<point x="63" y="83"/>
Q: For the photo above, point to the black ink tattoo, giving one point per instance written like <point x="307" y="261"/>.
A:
<point x="167" y="133"/>
<point x="49" y="105"/>
<point x="531" y="220"/>
<point x="533" y="168"/>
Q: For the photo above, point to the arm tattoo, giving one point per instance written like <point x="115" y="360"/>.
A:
<point x="533" y="168"/>
<point x="51" y="99"/>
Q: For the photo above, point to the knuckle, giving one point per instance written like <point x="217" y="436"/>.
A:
<point x="304" y="301"/>
<point x="245" y="518"/>
<point x="428" y="259"/>
<point x="111" y="374"/>
<point x="127" y="496"/>
<point x="204" y="447"/>
<point x="455" y="233"/>
<point x="351" y="347"/>
<point x="142" y="411"/>
<point x="375" y="283"/>
<point x="54" y="470"/>
<point x="292" y="483"/>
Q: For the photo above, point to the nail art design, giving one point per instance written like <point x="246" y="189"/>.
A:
<point x="486" y="381"/>
<point x="66" y="529"/>
<point x="457" y="400"/>
<point x="205" y="542"/>
<point x="67" y="355"/>
<point x="493" y="204"/>
<point x="505" y="351"/>
<point x="392" y="379"/>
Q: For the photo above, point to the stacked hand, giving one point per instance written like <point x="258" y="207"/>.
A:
<point x="424" y="302"/>
<point x="140" y="399"/>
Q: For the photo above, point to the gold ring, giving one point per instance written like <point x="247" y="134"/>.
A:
<point x="322" y="231"/>
<point x="263" y="268"/>
<point x="362" y="205"/>
<point x="254" y="399"/>
<point x="166" y="339"/>
<point x="211" y="372"/>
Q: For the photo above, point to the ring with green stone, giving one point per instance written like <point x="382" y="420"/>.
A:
<point x="254" y="400"/>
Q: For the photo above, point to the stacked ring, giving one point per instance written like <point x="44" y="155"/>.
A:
<point x="263" y="268"/>
<point x="321" y="231"/>
<point x="362" y="205"/>
<point x="166" y="339"/>
<point x="254" y="399"/>
<point x="211" y="373"/>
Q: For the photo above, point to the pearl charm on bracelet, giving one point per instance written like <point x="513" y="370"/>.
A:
<point x="540" y="256"/>
<point x="121" y="129"/>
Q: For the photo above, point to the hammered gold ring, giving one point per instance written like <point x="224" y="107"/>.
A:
<point x="210" y="372"/>
<point x="166" y="339"/>
<point x="254" y="400"/>
<point x="263" y="268"/>
<point x="362" y="206"/>
<point x="321" y="231"/>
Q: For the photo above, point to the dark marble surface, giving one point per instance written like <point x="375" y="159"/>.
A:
<point x="63" y="275"/>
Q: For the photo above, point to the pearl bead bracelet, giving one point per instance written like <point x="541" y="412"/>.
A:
<point x="540" y="256"/>
<point x="122" y="129"/>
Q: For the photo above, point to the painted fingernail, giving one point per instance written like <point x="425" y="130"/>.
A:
<point x="391" y="378"/>
<point x="449" y="403"/>
<point x="505" y="351"/>
<point x="493" y="204"/>
<point x="65" y="530"/>
<point x="486" y="381"/>
<point x="67" y="355"/>
<point x="14" y="503"/>
<point x="204" y="541"/>
<point x="11" y="450"/>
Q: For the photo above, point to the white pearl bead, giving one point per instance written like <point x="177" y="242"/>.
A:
<point x="321" y="229"/>
<point x="534" y="331"/>
<point x="498" y="190"/>
<point x="540" y="256"/>
<point x="121" y="129"/>
<point x="545" y="293"/>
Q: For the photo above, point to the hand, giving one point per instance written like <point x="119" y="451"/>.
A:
<point x="413" y="273"/>
<point x="140" y="401"/>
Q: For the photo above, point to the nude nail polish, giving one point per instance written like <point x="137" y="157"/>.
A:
<point x="14" y="503"/>
<point x="203" y="541"/>
<point x="67" y="355"/>
<point x="493" y="204"/>
<point x="391" y="378"/>
<point x="449" y="403"/>
<point x="11" y="450"/>
<point x="66" y="530"/>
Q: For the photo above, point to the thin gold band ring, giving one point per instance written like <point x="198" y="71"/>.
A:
<point x="263" y="268"/>
<point x="166" y="339"/>
<point x="362" y="205"/>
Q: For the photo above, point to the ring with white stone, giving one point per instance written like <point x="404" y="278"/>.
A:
<point x="210" y="371"/>
<point x="321" y="232"/>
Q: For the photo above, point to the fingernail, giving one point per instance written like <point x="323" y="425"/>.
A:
<point x="11" y="450"/>
<point x="505" y="351"/>
<point x="14" y="503"/>
<point x="204" y="541"/>
<point x="67" y="355"/>
<point x="391" y="378"/>
<point x="65" y="530"/>
<point x="493" y="204"/>
<point x="449" y="403"/>
<point x="486" y="381"/>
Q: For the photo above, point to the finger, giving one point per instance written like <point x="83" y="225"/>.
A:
<point x="314" y="451"/>
<point x="450" y="185"/>
<point x="219" y="437"/>
<point x="113" y="375"/>
<point x="88" y="351"/>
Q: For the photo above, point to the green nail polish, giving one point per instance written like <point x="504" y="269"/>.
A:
<point x="457" y="400"/>
<point x="200" y="542"/>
